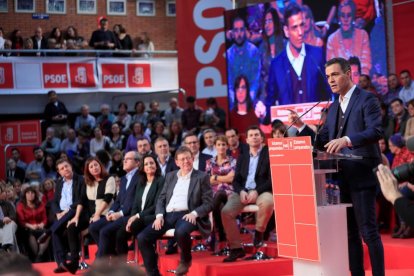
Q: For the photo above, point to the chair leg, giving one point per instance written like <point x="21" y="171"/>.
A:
<point x="82" y="263"/>
<point x="136" y="251"/>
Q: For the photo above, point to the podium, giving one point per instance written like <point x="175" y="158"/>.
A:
<point x="311" y="233"/>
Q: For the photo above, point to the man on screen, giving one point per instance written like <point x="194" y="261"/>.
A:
<point x="243" y="58"/>
<point x="295" y="75"/>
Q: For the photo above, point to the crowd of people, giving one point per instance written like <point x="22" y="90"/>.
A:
<point x="115" y="175"/>
<point x="69" y="39"/>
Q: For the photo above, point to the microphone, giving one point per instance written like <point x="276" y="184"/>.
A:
<point x="300" y="117"/>
<point x="319" y="123"/>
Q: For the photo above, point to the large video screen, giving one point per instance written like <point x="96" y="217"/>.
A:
<point x="276" y="53"/>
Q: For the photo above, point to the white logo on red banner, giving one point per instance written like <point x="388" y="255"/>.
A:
<point x="55" y="75"/>
<point x="113" y="76"/>
<point x="82" y="75"/>
<point x="6" y="75"/>
<point x="139" y="75"/>
<point x="20" y="132"/>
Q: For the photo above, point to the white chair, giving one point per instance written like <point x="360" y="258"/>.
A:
<point x="194" y="235"/>
<point x="258" y="253"/>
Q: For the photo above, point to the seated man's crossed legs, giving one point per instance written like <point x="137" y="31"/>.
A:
<point x="232" y="209"/>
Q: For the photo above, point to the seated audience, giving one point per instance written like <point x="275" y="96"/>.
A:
<point x="106" y="119"/>
<point x="35" y="172"/>
<point x="183" y="215"/>
<point x="49" y="167"/>
<point x="123" y="119"/>
<point x="16" y="156"/>
<point x="117" y="139"/>
<point x="164" y="158"/>
<point x="85" y="122"/>
<point x="32" y="218"/>
<point x="191" y="116"/>
<point x="137" y="132"/>
<point x="157" y="130"/>
<point x="173" y="113"/>
<point x="200" y="159"/>
<point x="175" y="136"/>
<point x="103" y="231"/>
<point x="117" y="164"/>
<point x="14" y="172"/>
<point x="8" y="226"/>
<point x="214" y="117"/>
<point x="51" y="144"/>
<point x="140" y="115"/>
<point x="235" y="146"/>
<point x="209" y="136"/>
<point x="96" y="199"/>
<point x="252" y="185"/>
<point x="99" y="142"/>
<point x="149" y="186"/>
<point x="143" y="147"/>
<point x="221" y="170"/>
<point x="70" y="143"/>
<point x="63" y="205"/>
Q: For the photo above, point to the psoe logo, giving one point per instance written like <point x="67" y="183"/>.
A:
<point x="138" y="77"/>
<point x="9" y="137"/>
<point x="81" y="76"/>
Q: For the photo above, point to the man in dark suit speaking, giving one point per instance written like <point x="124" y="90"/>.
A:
<point x="353" y="126"/>
<point x="295" y="75"/>
<point x="184" y="204"/>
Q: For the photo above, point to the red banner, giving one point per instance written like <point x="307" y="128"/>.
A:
<point x="113" y="76"/>
<point x="139" y="75"/>
<point x="201" y="57"/>
<point x="20" y="132"/>
<point x="55" y="75"/>
<point x="82" y="75"/>
<point x="6" y="75"/>
<point x="17" y="133"/>
<point x="32" y="75"/>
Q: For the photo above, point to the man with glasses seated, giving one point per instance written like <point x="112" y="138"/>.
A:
<point x="104" y="230"/>
<point x="183" y="204"/>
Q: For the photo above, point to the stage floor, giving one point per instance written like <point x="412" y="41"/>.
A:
<point x="398" y="262"/>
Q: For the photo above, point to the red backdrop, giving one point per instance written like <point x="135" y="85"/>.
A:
<point x="403" y="35"/>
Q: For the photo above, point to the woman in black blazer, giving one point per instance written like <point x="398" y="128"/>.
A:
<point x="143" y="210"/>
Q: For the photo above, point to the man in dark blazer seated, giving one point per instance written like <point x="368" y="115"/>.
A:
<point x="353" y="126"/>
<point x="295" y="75"/>
<point x="252" y="185"/>
<point x="193" y="143"/>
<point x="104" y="230"/>
<point x="164" y="158"/>
<point x="67" y="196"/>
<point x="200" y="160"/>
<point x="184" y="204"/>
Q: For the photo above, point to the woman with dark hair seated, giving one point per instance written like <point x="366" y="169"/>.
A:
<point x="32" y="218"/>
<point x="96" y="199"/>
<point x="143" y="209"/>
